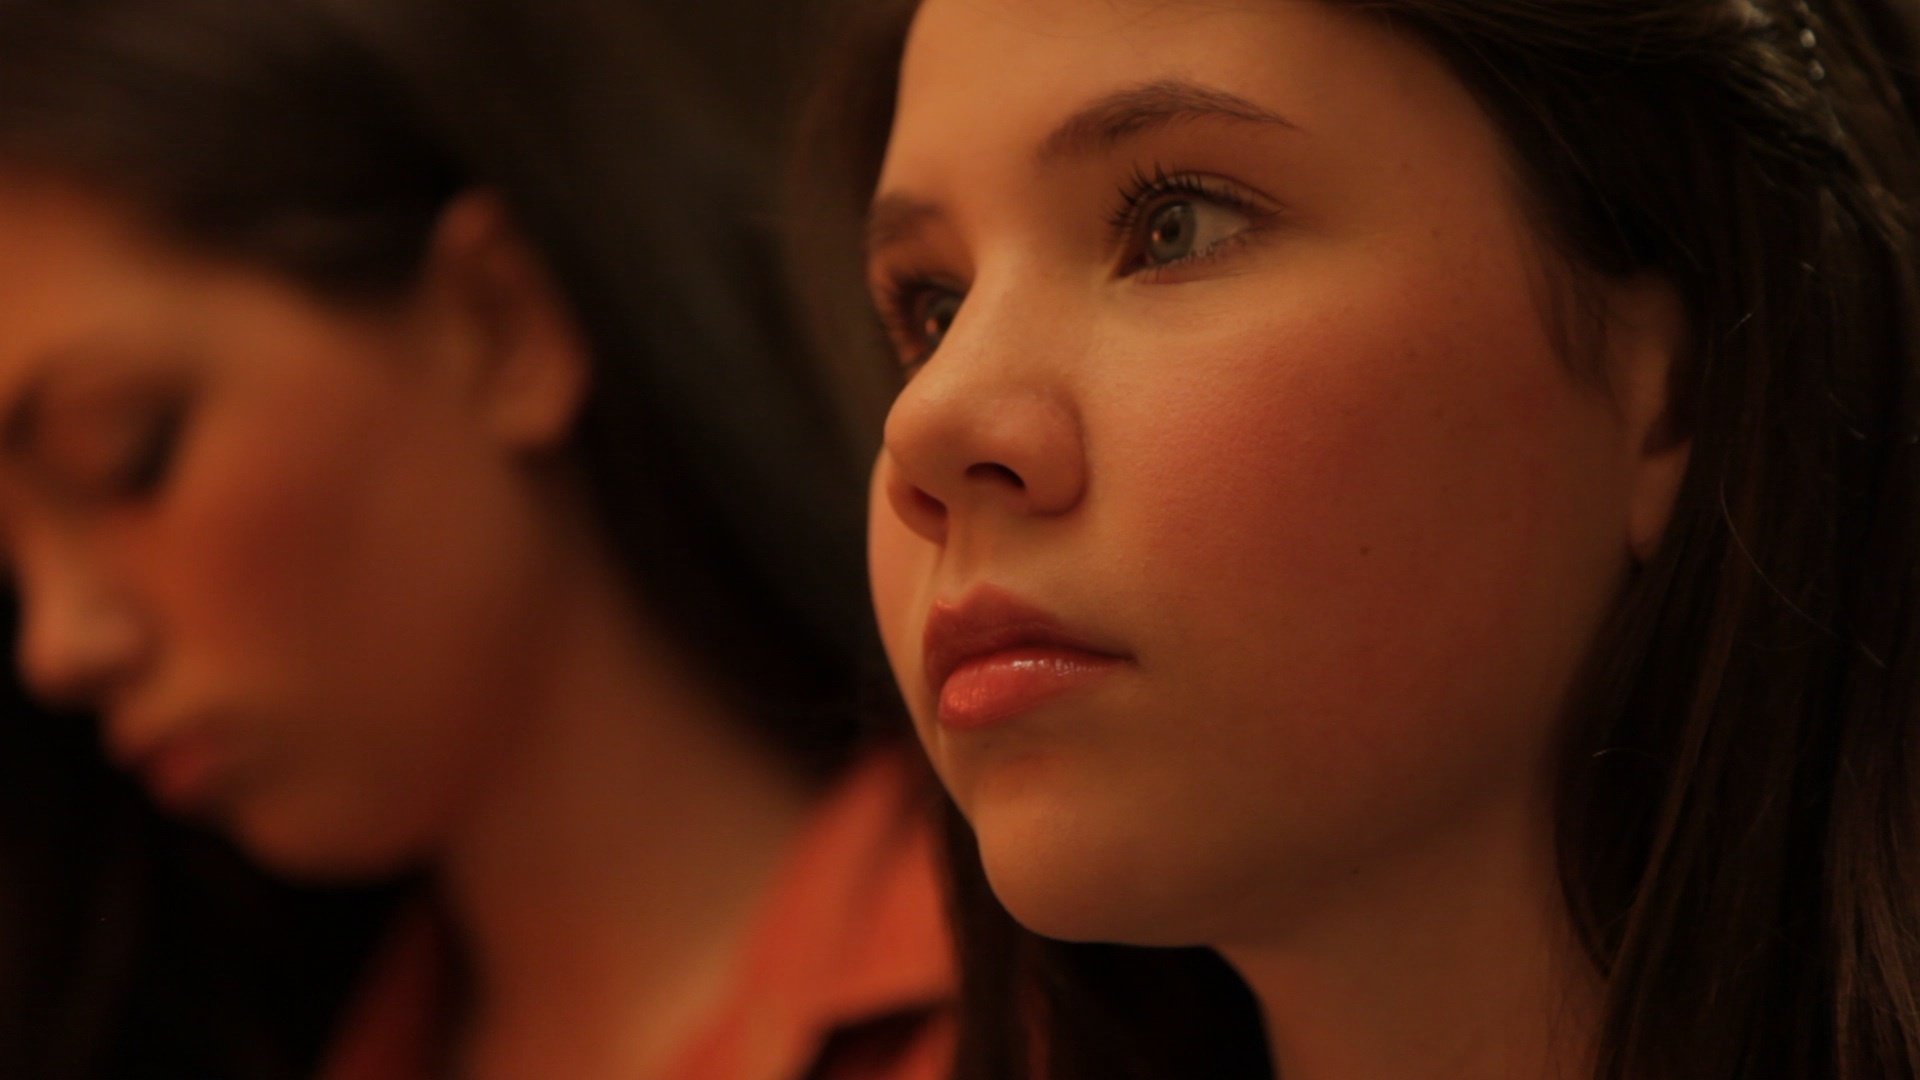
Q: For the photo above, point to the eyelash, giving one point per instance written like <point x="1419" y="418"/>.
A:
<point x="903" y="291"/>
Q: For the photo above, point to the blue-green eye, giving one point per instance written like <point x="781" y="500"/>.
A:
<point x="1183" y="228"/>
<point x="1165" y="220"/>
<point x="1171" y="231"/>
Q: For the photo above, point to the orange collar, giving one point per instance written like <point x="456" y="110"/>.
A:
<point x="851" y="933"/>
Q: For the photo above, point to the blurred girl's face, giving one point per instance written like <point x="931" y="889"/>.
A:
<point x="1240" y="526"/>
<point x="277" y="545"/>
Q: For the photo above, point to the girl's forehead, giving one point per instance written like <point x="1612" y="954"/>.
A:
<point x="977" y="69"/>
<point x="991" y="91"/>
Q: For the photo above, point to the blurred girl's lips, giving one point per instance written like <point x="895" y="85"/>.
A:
<point x="182" y="772"/>
<point x="178" y="762"/>
<point x="992" y="656"/>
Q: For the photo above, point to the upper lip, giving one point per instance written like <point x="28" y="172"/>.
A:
<point x="989" y="620"/>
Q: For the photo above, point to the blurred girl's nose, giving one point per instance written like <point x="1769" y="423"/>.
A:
<point x="78" y="635"/>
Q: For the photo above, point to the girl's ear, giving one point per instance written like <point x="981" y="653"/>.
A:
<point x="1646" y="335"/>
<point x="513" y="340"/>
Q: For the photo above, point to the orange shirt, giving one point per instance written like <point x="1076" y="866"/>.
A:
<point x="846" y="974"/>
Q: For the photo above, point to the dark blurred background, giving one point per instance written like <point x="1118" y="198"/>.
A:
<point x="755" y="54"/>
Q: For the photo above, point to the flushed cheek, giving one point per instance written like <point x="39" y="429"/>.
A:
<point x="278" y="546"/>
<point x="274" y="524"/>
<point x="1397" y="542"/>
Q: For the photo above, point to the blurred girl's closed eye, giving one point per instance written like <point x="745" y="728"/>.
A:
<point x="108" y="444"/>
<point x="150" y="455"/>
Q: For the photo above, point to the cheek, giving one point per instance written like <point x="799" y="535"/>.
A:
<point x="338" y="579"/>
<point x="1358" y="560"/>
<point x="263" y="530"/>
<point x="1407" y="534"/>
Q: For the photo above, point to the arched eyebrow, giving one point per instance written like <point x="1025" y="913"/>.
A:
<point x="1105" y="121"/>
<point x="1093" y="128"/>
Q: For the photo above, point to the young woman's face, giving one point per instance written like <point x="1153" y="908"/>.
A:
<point x="1240" y="525"/>
<point x="270" y="542"/>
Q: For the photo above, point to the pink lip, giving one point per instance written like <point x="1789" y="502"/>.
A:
<point x="992" y="656"/>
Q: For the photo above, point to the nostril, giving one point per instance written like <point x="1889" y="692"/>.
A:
<point x="992" y="471"/>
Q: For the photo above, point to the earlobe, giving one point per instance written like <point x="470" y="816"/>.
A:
<point x="521" y="352"/>
<point x="1647" y="334"/>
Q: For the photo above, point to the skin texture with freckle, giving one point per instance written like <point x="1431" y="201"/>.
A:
<point x="1334" y="490"/>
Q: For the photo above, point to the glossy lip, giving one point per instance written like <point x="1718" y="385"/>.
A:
<point x="992" y="624"/>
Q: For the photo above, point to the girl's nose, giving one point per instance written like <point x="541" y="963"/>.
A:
<point x="979" y="431"/>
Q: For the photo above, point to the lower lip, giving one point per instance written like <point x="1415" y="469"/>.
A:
<point x="181" y="775"/>
<point x="996" y="688"/>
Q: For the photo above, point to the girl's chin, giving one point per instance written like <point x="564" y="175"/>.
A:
<point x="1078" y="884"/>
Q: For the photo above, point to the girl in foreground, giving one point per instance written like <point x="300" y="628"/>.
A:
<point x="1418" y="497"/>
<point x="403" y="461"/>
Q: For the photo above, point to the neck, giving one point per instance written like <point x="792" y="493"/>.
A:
<point x="1459" y="962"/>
<point x="602" y="884"/>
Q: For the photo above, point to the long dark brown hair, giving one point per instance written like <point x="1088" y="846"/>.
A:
<point x="1739" y="804"/>
<point x="319" y="140"/>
